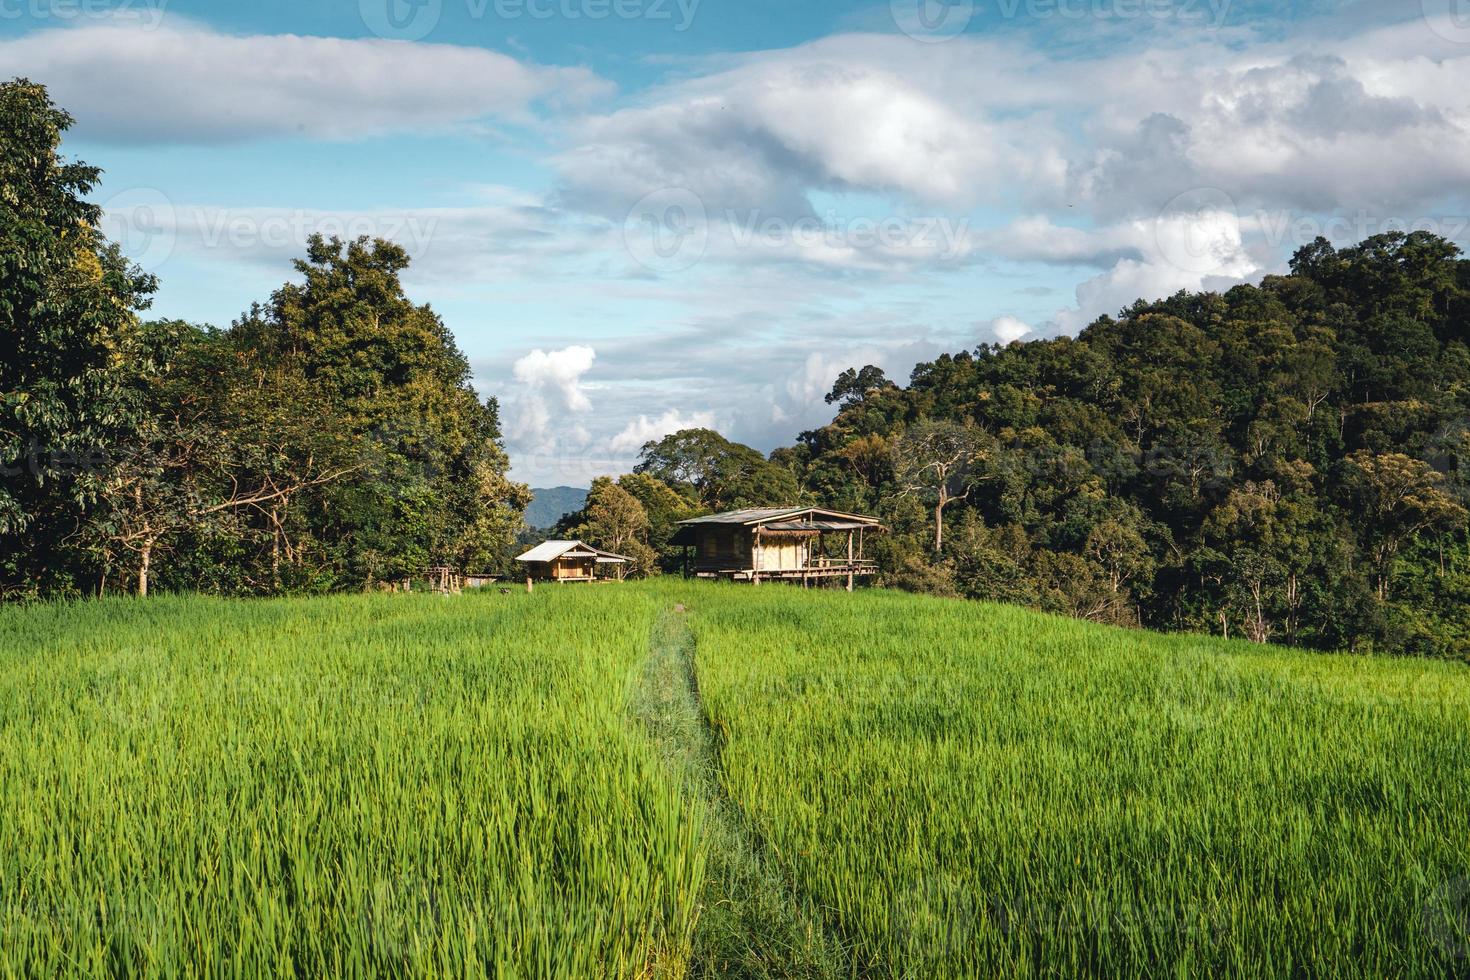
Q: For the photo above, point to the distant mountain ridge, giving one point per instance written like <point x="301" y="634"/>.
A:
<point x="550" y="505"/>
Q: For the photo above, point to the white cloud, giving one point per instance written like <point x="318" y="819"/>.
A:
<point x="558" y="373"/>
<point x="1369" y="119"/>
<point x="857" y="112"/>
<point x="1183" y="248"/>
<point x="644" y="429"/>
<point x="1008" y="329"/>
<point x="183" y="82"/>
<point x="550" y="393"/>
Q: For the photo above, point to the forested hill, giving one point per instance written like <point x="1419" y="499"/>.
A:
<point x="1286" y="461"/>
<point x="550" y="504"/>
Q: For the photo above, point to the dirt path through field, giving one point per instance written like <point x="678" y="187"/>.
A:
<point x="752" y="923"/>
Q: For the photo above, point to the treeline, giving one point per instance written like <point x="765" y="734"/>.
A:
<point x="330" y="438"/>
<point x="1286" y="462"/>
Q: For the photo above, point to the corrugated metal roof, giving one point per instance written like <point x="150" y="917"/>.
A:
<point x="745" y="516"/>
<point x="549" y="551"/>
<point x="816" y="526"/>
<point x="762" y="514"/>
<point x="552" y="550"/>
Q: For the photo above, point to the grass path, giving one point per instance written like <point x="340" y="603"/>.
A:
<point x="353" y="786"/>
<point x="752" y="923"/>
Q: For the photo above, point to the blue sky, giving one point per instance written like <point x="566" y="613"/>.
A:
<point x="638" y="215"/>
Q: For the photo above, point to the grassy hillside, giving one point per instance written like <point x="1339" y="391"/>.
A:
<point x="336" y="787"/>
<point x="670" y="779"/>
<point x="967" y="790"/>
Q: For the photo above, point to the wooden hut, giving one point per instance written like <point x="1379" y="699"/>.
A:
<point x="808" y="545"/>
<point x="570" y="561"/>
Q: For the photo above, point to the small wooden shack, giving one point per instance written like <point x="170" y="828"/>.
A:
<point x="808" y="545"/>
<point x="571" y="561"/>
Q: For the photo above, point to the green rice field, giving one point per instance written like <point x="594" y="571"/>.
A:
<point x="669" y="779"/>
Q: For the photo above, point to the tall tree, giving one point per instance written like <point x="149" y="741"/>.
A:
<point x="937" y="461"/>
<point x="69" y="343"/>
<point x="721" y="474"/>
<point x="1399" y="497"/>
<point x="215" y="455"/>
<point x="665" y="508"/>
<point x="434" y="488"/>
<point x="615" y="520"/>
<point x="853" y="386"/>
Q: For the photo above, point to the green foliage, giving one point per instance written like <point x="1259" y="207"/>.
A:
<point x="330" y="439"/>
<point x="69" y="342"/>
<point x="1283" y="462"/>
<point x="853" y="386"/>
<point x="634" y="516"/>
<point x="431" y="488"/>
<point x="614" y="520"/>
<point x="719" y="474"/>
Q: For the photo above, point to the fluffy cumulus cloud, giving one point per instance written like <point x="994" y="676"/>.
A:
<point x="1277" y="129"/>
<point x="1008" y="329"/>
<point x="132" y="81"/>
<point x="1197" y="242"/>
<point x="861" y="113"/>
<point x="549" y="396"/>
<point x="1108" y="141"/>
<point x="643" y="429"/>
<point x="863" y="198"/>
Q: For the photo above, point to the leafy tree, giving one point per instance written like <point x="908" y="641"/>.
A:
<point x="215" y="455"/>
<point x="434" y="488"/>
<point x="1284" y="461"/>
<point x="665" y="508"/>
<point x="69" y="342"/>
<point x="1399" y="497"/>
<point x="720" y="474"/>
<point x="853" y="386"/>
<point x="615" y="520"/>
<point x="937" y="460"/>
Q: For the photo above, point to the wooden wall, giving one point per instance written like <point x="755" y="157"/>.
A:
<point x="784" y="551"/>
<point x="733" y="547"/>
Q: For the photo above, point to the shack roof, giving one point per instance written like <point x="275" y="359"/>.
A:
<point x="816" y="526"/>
<point x="553" y="550"/>
<point x="768" y="515"/>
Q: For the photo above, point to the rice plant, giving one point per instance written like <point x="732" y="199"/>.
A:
<point x="389" y="785"/>
<point x="973" y="790"/>
<point x="670" y="779"/>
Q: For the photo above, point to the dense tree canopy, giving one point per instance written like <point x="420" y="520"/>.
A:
<point x="328" y="439"/>
<point x="1286" y="461"/>
<point x="718" y="473"/>
<point x="70" y="341"/>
